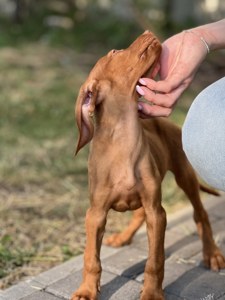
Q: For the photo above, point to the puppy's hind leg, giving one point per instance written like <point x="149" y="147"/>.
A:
<point x="125" y="237"/>
<point x="187" y="180"/>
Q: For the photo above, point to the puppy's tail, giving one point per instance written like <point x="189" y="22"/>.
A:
<point x="209" y="190"/>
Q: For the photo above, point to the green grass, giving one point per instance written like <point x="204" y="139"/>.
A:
<point x="11" y="258"/>
<point x="37" y="126"/>
<point x="41" y="183"/>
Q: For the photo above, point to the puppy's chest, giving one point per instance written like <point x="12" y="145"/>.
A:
<point x="122" y="184"/>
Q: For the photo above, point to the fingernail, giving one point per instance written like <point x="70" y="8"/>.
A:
<point x="140" y="106"/>
<point x="139" y="90"/>
<point x="142" y="81"/>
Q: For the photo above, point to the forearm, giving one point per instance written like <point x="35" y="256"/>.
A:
<point x="214" y="34"/>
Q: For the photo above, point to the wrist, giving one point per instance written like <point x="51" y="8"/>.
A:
<point x="200" y="38"/>
<point x="213" y="34"/>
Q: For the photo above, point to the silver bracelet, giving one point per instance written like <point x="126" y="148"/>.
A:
<point x="201" y="38"/>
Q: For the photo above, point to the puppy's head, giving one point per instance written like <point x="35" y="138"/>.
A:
<point x="116" y="74"/>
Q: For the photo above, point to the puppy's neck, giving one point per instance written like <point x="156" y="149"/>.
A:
<point x="117" y="118"/>
<point x="115" y="110"/>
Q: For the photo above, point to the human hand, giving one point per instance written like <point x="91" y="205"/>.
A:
<point x="180" y="59"/>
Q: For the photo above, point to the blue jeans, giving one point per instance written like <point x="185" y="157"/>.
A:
<point x="203" y="134"/>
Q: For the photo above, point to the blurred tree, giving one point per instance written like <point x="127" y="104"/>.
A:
<point x="25" y="8"/>
<point x="22" y="8"/>
<point x="100" y="22"/>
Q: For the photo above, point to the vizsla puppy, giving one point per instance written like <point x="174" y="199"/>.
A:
<point x="127" y="163"/>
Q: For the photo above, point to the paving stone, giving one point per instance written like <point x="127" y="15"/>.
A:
<point x="197" y="260"/>
<point x="116" y="287"/>
<point x="75" y="264"/>
<point x="141" y="243"/>
<point x="175" y="242"/>
<point x="179" y="217"/>
<point x="212" y="201"/>
<point x="18" y="291"/>
<point x="175" y="266"/>
<point x="181" y="245"/>
<point x="218" y="227"/>
<point x="215" y="205"/>
<point x="1" y="294"/>
<point x="198" y="283"/>
<point x="183" y="219"/>
<point x="65" y="287"/>
<point x="169" y="296"/>
<point x="172" y="238"/>
<point x="175" y="269"/>
<point x="112" y="286"/>
<point x="33" y="283"/>
<point x="187" y="248"/>
<point x="129" y="262"/>
<point x="186" y="227"/>
<point x="107" y="251"/>
<point x="41" y="296"/>
<point x="140" y="240"/>
<point x="59" y="272"/>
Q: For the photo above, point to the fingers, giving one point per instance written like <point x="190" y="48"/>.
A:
<point x="161" y="99"/>
<point x="163" y="102"/>
<point x="145" y="111"/>
<point x="155" y="98"/>
<point x="162" y="86"/>
<point x="152" y="109"/>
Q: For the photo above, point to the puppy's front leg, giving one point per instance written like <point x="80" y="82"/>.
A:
<point x="156" y="226"/>
<point x="95" y="226"/>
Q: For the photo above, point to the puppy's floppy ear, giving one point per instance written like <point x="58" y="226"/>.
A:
<point x="84" y="111"/>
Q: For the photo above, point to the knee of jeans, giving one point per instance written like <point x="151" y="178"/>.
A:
<point x="203" y="135"/>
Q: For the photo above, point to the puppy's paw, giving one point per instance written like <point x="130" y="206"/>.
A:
<point x="152" y="295"/>
<point x="84" y="294"/>
<point x="214" y="260"/>
<point x="117" y="240"/>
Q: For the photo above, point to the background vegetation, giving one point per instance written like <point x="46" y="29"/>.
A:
<point x="46" y="50"/>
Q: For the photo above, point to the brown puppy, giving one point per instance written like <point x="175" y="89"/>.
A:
<point x="127" y="163"/>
